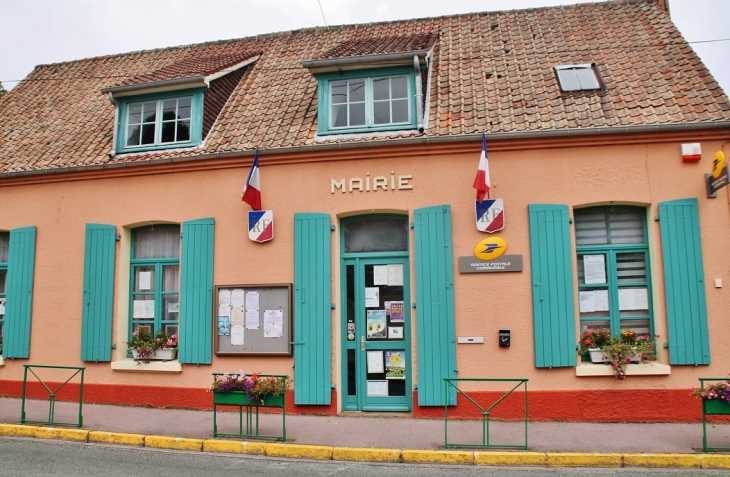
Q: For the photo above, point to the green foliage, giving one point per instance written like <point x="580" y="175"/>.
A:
<point x="620" y="350"/>
<point x="144" y="344"/>
<point x="2" y="90"/>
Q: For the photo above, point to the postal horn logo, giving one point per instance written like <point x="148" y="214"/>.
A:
<point x="718" y="163"/>
<point x="490" y="248"/>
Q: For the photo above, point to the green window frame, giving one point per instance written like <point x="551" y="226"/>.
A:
<point x="4" y="247"/>
<point x="366" y="101"/>
<point x="157" y="279"/>
<point x="160" y="121"/>
<point x="619" y="294"/>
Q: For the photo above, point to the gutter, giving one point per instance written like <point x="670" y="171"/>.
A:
<point x="116" y="124"/>
<point x="608" y="131"/>
<point x="154" y="84"/>
<point x="419" y="93"/>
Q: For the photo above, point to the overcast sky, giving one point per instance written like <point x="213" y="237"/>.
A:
<point x="34" y="32"/>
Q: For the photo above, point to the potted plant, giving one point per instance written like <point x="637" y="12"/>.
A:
<point x="618" y="351"/>
<point x="715" y="397"/>
<point x="145" y="348"/>
<point x="254" y="390"/>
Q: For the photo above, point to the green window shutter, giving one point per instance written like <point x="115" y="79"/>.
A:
<point x="553" y="310"/>
<point x="196" y="292"/>
<point x="684" y="282"/>
<point x="19" y="293"/>
<point x="312" y="309"/>
<point x="436" y="330"/>
<point x="98" y="299"/>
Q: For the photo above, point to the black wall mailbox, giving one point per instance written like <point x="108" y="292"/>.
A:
<point x="504" y="338"/>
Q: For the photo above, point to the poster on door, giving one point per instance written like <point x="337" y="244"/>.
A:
<point x="376" y="327"/>
<point x="395" y="364"/>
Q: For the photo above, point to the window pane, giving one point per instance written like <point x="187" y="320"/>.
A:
<point x="144" y="280"/>
<point x="381" y="112"/>
<point x="135" y="109"/>
<point x="183" y="131"/>
<point x="4" y="244"/>
<point x="376" y="234"/>
<point x="338" y="92"/>
<point x="587" y="78"/>
<point x="595" y="274"/>
<point x="357" y="114"/>
<point x="135" y="118"/>
<point x="171" y="307"/>
<point x="400" y="111"/>
<point x="626" y="226"/>
<point x="3" y="277"/>
<point x="399" y="87"/>
<point x="169" y="109"/>
<point x="150" y="110"/>
<point x="339" y="115"/>
<point x="590" y="227"/>
<point x="633" y="301"/>
<point x="594" y="326"/>
<point x="162" y="242"/>
<point x="381" y="89"/>
<point x="148" y="134"/>
<point x="568" y="80"/>
<point x="168" y="132"/>
<point x="170" y="278"/>
<point x="133" y="136"/>
<point x="631" y="267"/>
<point x="351" y="373"/>
<point x="171" y="329"/>
<point x="183" y="112"/>
<point x="357" y="91"/>
<point x="640" y="327"/>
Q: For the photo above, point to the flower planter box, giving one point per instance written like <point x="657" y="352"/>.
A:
<point x="240" y="398"/>
<point x="597" y="355"/>
<point x="166" y="354"/>
<point x="716" y="406"/>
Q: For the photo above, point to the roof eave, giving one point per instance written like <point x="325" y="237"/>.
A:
<point x="363" y="61"/>
<point x="156" y="86"/>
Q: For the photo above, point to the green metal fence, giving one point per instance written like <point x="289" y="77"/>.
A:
<point x="52" y="394"/>
<point x="485" y="411"/>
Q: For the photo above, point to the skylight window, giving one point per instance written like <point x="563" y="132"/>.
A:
<point x="578" y="78"/>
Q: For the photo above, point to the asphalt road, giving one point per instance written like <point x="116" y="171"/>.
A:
<point x="34" y="457"/>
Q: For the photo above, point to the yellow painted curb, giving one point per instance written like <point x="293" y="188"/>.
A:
<point x="662" y="460"/>
<point x="116" y="438"/>
<point x="576" y="459"/>
<point x="438" y="457"/>
<point x="228" y="447"/>
<point x="60" y="433"/>
<point x="254" y="448"/>
<point x="715" y="461"/>
<point x="298" y="450"/>
<point x="510" y="458"/>
<point x="179" y="443"/>
<point x="366" y="455"/>
<point x="17" y="430"/>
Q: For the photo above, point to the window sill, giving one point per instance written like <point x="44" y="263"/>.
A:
<point x="129" y="364"/>
<point x="648" y="369"/>
<point x="2" y="361"/>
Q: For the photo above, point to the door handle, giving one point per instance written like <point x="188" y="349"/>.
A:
<point x="362" y="343"/>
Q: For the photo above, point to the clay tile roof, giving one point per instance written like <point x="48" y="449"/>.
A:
<point x="491" y="72"/>
<point x="379" y="45"/>
<point x="199" y="62"/>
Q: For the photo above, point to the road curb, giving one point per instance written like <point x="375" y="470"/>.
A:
<point x="303" y="451"/>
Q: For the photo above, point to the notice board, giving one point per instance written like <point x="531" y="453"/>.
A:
<point x="253" y="319"/>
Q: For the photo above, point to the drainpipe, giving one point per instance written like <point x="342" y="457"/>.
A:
<point x="116" y="124"/>
<point x="419" y="93"/>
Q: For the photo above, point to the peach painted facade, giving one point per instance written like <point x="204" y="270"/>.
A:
<point x="640" y="170"/>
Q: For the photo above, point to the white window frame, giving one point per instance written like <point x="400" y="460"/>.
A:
<point x="564" y="72"/>
<point x="158" y="123"/>
<point x="369" y="102"/>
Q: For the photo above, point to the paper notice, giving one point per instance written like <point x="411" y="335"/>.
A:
<point x="237" y="297"/>
<point x="145" y="279"/>
<point x="587" y="301"/>
<point x="237" y="316"/>
<point x="380" y="275"/>
<point x="252" y="319"/>
<point x="252" y="300"/>
<point x="224" y="297"/>
<point x="236" y="335"/>
<point x="273" y="323"/>
<point x="375" y="362"/>
<point x="395" y="274"/>
<point x="594" y="268"/>
<point x="372" y="297"/>
<point x="224" y="310"/>
<point x="633" y="299"/>
<point x="601" y="299"/>
<point x="377" y="388"/>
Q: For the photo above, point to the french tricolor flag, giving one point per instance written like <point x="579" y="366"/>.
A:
<point x="252" y="189"/>
<point x="481" y="181"/>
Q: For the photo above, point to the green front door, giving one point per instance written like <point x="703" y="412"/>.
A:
<point x="376" y="333"/>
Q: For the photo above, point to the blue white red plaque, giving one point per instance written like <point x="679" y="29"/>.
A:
<point x="490" y="215"/>
<point x="261" y="225"/>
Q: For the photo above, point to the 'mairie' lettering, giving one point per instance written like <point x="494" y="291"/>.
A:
<point x="356" y="183"/>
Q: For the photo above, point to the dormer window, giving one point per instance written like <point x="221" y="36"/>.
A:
<point x="578" y="78"/>
<point x="368" y="102"/>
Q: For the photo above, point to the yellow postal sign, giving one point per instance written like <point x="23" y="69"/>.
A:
<point x="490" y="248"/>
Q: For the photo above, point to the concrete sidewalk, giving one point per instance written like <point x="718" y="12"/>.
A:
<point x="390" y="432"/>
